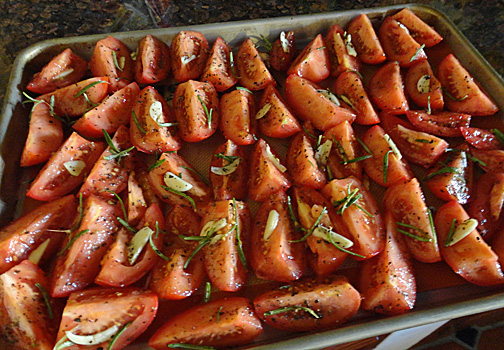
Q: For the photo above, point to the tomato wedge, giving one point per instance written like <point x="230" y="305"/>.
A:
<point x="283" y="51"/>
<point x="127" y="311"/>
<point x="387" y="281"/>
<point x="221" y="323"/>
<point x="272" y="242"/>
<point x="341" y="57"/>
<point x="365" y="40"/>
<point x="444" y="124"/>
<point x="64" y="69"/>
<point x="423" y="87"/>
<point x="218" y="70"/>
<point x="480" y="138"/>
<point x="470" y="257"/>
<point x="313" y="62"/>
<point x="153" y="61"/>
<point x="386" y="89"/>
<point x="189" y="53"/>
<point x="252" y="71"/>
<point x="238" y="117"/>
<point x="419" y="30"/>
<point x="66" y="169"/>
<point x="310" y="304"/>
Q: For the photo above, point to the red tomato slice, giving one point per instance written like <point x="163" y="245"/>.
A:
<point x="153" y="61"/>
<point x="136" y="203"/>
<point x="25" y="234"/>
<point x="278" y="122"/>
<point x="398" y="43"/>
<point x="218" y="70"/>
<point x="416" y="146"/>
<point x="471" y="257"/>
<point x="463" y="93"/>
<point x="196" y="122"/>
<point x="66" y="169"/>
<point x="480" y="138"/>
<point x="152" y="129"/>
<point x="45" y="136"/>
<point x="419" y="30"/>
<point x="232" y="185"/>
<point x="283" y="53"/>
<point x="189" y="53"/>
<point x="116" y="270"/>
<point x="110" y="174"/>
<point x="365" y="40"/>
<point x="221" y="323"/>
<point x="95" y="310"/>
<point x="350" y="85"/>
<point x="302" y="164"/>
<point x="445" y="124"/>
<point x="423" y="87"/>
<point x="78" y="262"/>
<point x="266" y="178"/>
<point x="341" y="60"/>
<point x="386" y="89"/>
<point x="387" y="281"/>
<point x="332" y="298"/>
<point x="252" y="71"/>
<point x="238" y="117"/>
<point x="310" y="104"/>
<point x="112" y="59"/>
<point x="406" y="202"/>
<point x="110" y="114"/>
<point x="64" y="69"/>
<point x="71" y="101"/>
<point x="363" y="219"/>
<point x="384" y="160"/>
<point x="222" y="257"/>
<point x="313" y="62"/>
<point x="25" y="322"/>
<point x="271" y="244"/>
<point x="492" y="159"/>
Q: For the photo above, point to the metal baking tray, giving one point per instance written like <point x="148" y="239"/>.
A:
<point x="450" y="300"/>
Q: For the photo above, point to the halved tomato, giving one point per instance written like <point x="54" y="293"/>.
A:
<point x="419" y="30"/>
<point x="480" y="138"/>
<point x="339" y="48"/>
<point x="283" y="51"/>
<point x="152" y="63"/>
<point x="189" y="53"/>
<point x="444" y="124"/>
<point x="313" y="62"/>
<point x="252" y="71"/>
<point x="365" y="40"/>
<point x="238" y="117"/>
<point x="386" y="89"/>
<point x="423" y="87"/>
<point x="218" y="70"/>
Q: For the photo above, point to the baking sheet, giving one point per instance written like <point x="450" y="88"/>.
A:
<point x="436" y="305"/>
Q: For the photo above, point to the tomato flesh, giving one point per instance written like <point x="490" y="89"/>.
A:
<point x="238" y="117"/>
<point x="218" y="70"/>
<point x="420" y="31"/>
<point x="313" y="62"/>
<point x="386" y="89"/>
<point x="365" y="40"/>
<point x="153" y="60"/>
<point x="281" y="57"/>
<point x="340" y="58"/>
<point x="252" y="71"/>
<point x="189" y="53"/>
<point x="430" y="92"/>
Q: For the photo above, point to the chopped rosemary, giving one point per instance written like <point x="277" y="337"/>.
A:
<point x="329" y="173"/>
<point x="452" y="97"/>
<point x="291" y="308"/>
<point x="218" y="314"/>
<point x="385" y="165"/>
<point x="450" y="233"/>
<point x="197" y="173"/>
<point x="432" y="227"/>
<point x="229" y="159"/>
<point x="37" y="102"/>
<point x="116" y="63"/>
<point x="417" y="52"/>
<point x="156" y="250"/>
<point x="189" y="346"/>
<point x="119" y="199"/>
<point x="443" y="170"/>
<point x="181" y="194"/>
<point x="45" y="296"/>
<point x="113" y="149"/>
<point x="244" y="89"/>
<point x="142" y="130"/>
<point x="331" y="240"/>
<point x="291" y="214"/>
<point x="366" y="148"/>
<point x="309" y="133"/>
<point x="358" y="159"/>
<point x="233" y="67"/>
<point x="126" y="225"/>
<point x="72" y="241"/>
<point x="156" y="164"/>
<point x="341" y="150"/>
<point x="208" y="113"/>
<point x="239" y="243"/>
<point x="117" y="335"/>
<point x="320" y="48"/>
<point x="352" y="197"/>
<point x="208" y="291"/>
<point x="89" y="86"/>
<point x="409" y="234"/>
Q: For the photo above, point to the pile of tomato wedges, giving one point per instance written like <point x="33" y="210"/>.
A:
<point x="125" y="220"/>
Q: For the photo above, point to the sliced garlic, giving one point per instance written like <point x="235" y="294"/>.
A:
<point x="75" y="167"/>
<point x="412" y="136"/>
<point x="137" y="243"/>
<point x="323" y="151"/>
<point x="37" y="254"/>
<point x="64" y="74"/>
<point x="497" y="192"/>
<point x="329" y="95"/>
<point x="304" y="214"/>
<point x="393" y="146"/>
<point x="271" y="224"/>
<point x="122" y="62"/>
<point x="176" y="183"/>
<point x="403" y="27"/>
<point x="323" y="232"/>
<point x="263" y="111"/>
<point x="347" y="101"/>
<point x="423" y="84"/>
<point x="92" y="339"/>
<point x="228" y="169"/>
<point x="275" y="160"/>
<point x="156" y="111"/>
<point x="213" y="226"/>
<point x="187" y="59"/>
<point x="462" y="230"/>
<point x="284" y="42"/>
<point x="349" y="46"/>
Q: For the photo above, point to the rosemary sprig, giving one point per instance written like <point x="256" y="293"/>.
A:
<point x="116" y="63"/>
<point x="310" y="231"/>
<point x="181" y="194"/>
<point x="118" y="334"/>
<point x="156" y="164"/>
<point x="113" y="149"/>
<point x="208" y="113"/>
<point x="233" y="67"/>
<point x="244" y="89"/>
<point x="450" y="233"/>
<point x="331" y="240"/>
<point x="229" y="159"/>
<point x="218" y="314"/>
<point x="366" y="148"/>
<point x="89" y="86"/>
<point x="45" y="296"/>
<point x="119" y="199"/>
<point x="443" y="170"/>
<point x="189" y="346"/>
<point x="197" y="173"/>
<point x="452" y="97"/>
<point x="208" y="291"/>
<point x="126" y="225"/>
<point x="385" y="165"/>
<point x="409" y="234"/>
<point x="239" y="243"/>
<point x="156" y="250"/>
<point x="291" y="308"/>
<point x="417" y="52"/>
<point x="309" y="133"/>
<point x="135" y="119"/>
<point x="72" y="241"/>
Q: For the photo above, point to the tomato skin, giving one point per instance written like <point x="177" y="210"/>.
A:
<point x="493" y="159"/>
<point x="301" y="163"/>
<point x="418" y="147"/>
<point x="313" y="62"/>
<point x="398" y="44"/>
<point x="236" y="325"/>
<point x="54" y="180"/>
<point x="280" y="59"/>
<point x="467" y="95"/>
<point x="24" y="317"/>
<point x="265" y="178"/>
<point x="340" y="60"/>
<point x="310" y="105"/>
<point x="102" y="63"/>
<point x="97" y="309"/>
<point x="471" y="257"/>
<point x="444" y="124"/>
<point x="45" y="135"/>
<point x="77" y="266"/>
<point x="397" y="170"/>
<point x="218" y="70"/>
<point x="386" y="89"/>
<point x="222" y="261"/>
<point x="480" y="138"/>
<point x="237" y="120"/>
<point x="24" y="234"/>
<point x="183" y="46"/>
<point x="365" y="40"/>
<point x="406" y="202"/>
<point x="277" y="250"/>
<point x="110" y="114"/>
<point x="434" y="97"/>
<point x="192" y="119"/>
<point x="153" y="61"/>
<point x="233" y="185"/>
<point x="331" y="297"/>
<point x="350" y="85"/>
<point x="420" y="31"/>
<point x="387" y="281"/>
<point x="253" y="73"/>
<point x="278" y="121"/>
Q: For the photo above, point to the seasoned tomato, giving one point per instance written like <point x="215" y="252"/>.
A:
<point x="444" y="124"/>
<point x="189" y="53"/>
<point x="423" y="87"/>
<point x="283" y="51"/>
<point x="238" y="117"/>
<point x="365" y="40"/>
<point x="480" y="138"/>
<point x="153" y="61"/>
<point x="252" y="71"/>
<point x="419" y="30"/>
<point x="386" y="89"/>
<point x="313" y="62"/>
<point x="490" y="161"/>
<point x="310" y="304"/>
<point x="339" y="48"/>
<point x="218" y="70"/>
